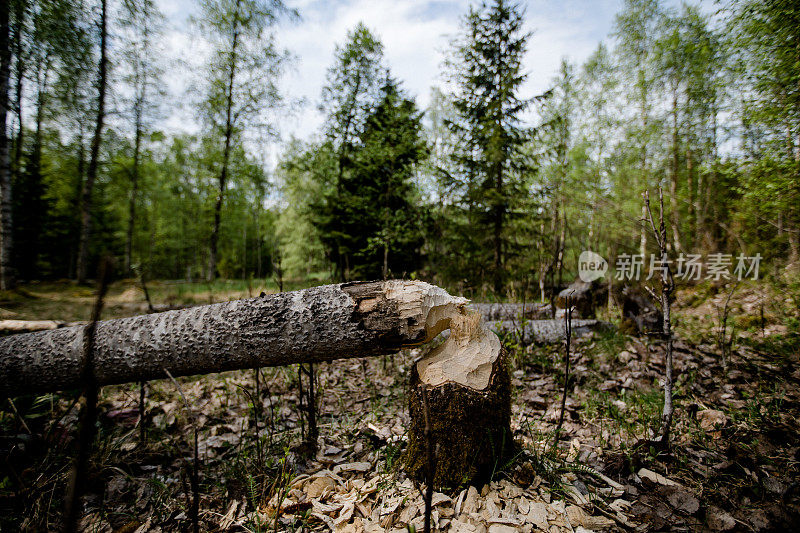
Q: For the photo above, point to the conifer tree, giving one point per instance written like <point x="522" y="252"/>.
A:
<point x="349" y="96"/>
<point x="369" y="221"/>
<point x="487" y="68"/>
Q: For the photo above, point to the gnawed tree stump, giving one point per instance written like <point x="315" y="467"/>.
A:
<point x="584" y="297"/>
<point x="469" y="404"/>
<point x="312" y="325"/>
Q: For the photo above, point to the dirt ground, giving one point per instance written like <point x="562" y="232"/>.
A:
<point x="732" y="466"/>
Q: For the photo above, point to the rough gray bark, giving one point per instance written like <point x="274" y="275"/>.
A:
<point x="318" y="324"/>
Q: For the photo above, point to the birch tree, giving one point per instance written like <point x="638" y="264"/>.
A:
<point x="242" y="74"/>
<point x="94" y="156"/>
<point x="141" y="24"/>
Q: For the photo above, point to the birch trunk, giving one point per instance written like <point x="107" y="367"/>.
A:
<point x="91" y="173"/>
<point x="7" y="280"/>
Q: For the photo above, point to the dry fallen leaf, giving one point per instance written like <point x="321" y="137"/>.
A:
<point x="320" y="487"/>
<point x="711" y="419"/>
<point x="226" y="521"/>
<point x="352" y="467"/>
<point x="719" y="520"/>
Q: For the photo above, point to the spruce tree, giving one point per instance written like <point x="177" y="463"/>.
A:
<point x="487" y="68"/>
<point x="369" y="222"/>
<point x="349" y="96"/>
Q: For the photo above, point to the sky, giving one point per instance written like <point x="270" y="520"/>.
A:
<point x="415" y="34"/>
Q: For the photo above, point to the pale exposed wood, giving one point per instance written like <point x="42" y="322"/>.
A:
<point x="466" y="357"/>
<point x="22" y="326"/>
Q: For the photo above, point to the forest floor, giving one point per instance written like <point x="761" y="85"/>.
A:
<point x="733" y="464"/>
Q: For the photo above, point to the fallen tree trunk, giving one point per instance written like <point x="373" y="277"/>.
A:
<point x="25" y="326"/>
<point x="318" y="324"/>
<point x="465" y="377"/>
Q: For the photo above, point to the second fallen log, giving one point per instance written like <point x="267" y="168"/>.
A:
<point x="547" y="331"/>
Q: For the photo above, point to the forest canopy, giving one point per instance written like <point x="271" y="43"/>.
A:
<point x="485" y="189"/>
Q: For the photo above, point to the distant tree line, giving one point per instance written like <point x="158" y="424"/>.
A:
<point x="489" y="189"/>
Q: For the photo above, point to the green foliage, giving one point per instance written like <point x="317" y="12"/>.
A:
<point x="364" y="212"/>
<point x="302" y="176"/>
<point x="352" y="88"/>
<point x="469" y="195"/>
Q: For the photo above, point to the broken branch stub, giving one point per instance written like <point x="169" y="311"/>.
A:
<point x="311" y="325"/>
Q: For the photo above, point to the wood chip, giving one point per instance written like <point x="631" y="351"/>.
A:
<point x="352" y="467"/>
<point x="440" y="499"/>
<point x="537" y="515"/>
<point x="409" y="513"/>
<point x="470" y="501"/>
<point x="501" y="528"/>
<point x="656" y="478"/>
<point x="346" y="513"/>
